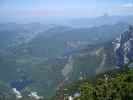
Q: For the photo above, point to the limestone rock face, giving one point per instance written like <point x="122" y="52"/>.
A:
<point x="124" y="47"/>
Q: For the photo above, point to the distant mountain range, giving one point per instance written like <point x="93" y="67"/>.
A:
<point x="98" y="21"/>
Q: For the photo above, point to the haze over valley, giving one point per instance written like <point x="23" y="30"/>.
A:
<point x="49" y="47"/>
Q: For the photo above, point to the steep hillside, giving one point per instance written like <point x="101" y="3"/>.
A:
<point x="113" y="85"/>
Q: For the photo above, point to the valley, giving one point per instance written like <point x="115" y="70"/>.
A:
<point x="55" y="55"/>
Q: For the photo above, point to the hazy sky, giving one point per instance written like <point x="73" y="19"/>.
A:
<point x="65" y="8"/>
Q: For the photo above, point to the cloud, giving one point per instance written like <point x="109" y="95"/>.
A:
<point x="122" y="9"/>
<point x="128" y="5"/>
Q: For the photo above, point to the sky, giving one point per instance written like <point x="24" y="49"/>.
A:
<point x="64" y="8"/>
